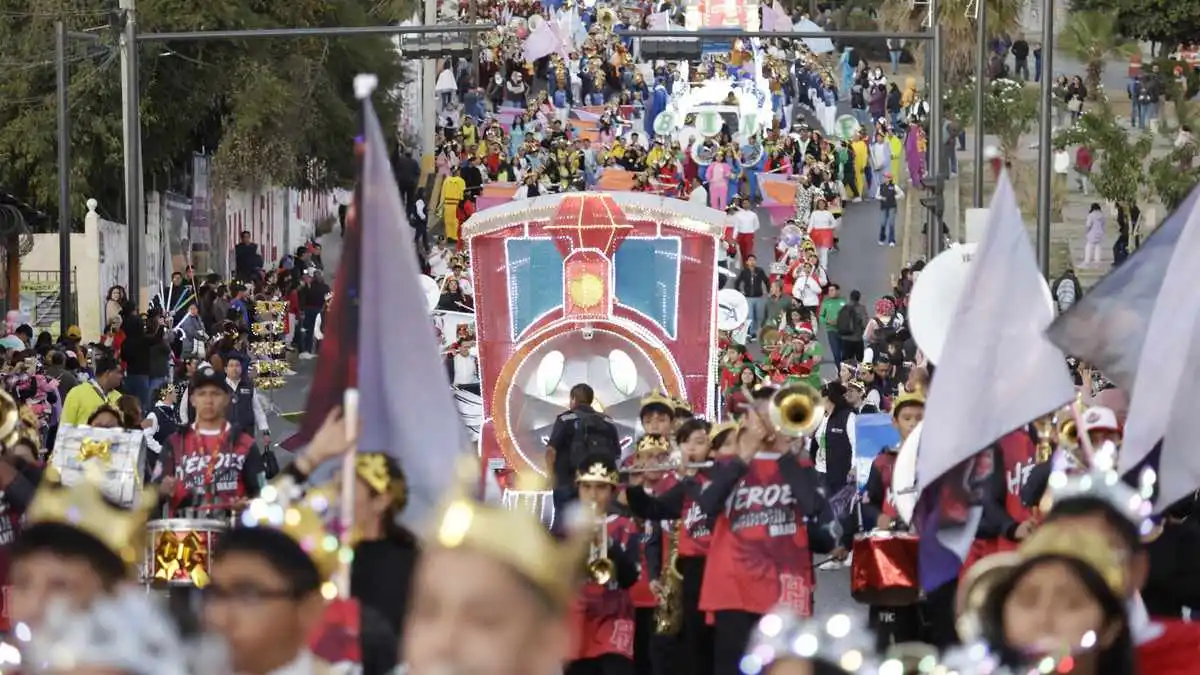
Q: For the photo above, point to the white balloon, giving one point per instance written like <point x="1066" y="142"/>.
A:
<point x="550" y="372"/>
<point x="623" y="372"/>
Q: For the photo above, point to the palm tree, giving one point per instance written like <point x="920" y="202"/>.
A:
<point x="1092" y="38"/>
<point x="956" y="17"/>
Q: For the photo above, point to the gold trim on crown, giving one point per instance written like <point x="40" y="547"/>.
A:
<point x="718" y="428"/>
<point x="83" y="507"/>
<point x="285" y="506"/>
<point x="1088" y="547"/>
<point x="681" y="405"/>
<point x="656" y="397"/>
<point x="516" y="538"/>
<point x="597" y="473"/>
<point x="372" y="469"/>
<point x="653" y="444"/>
<point x="907" y="398"/>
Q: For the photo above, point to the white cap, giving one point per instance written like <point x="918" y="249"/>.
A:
<point x="1099" y="418"/>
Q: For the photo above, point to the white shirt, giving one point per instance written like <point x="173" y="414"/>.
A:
<point x="821" y="220"/>
<point x="466" y="370"/>
<point x="745" y="222"/>
<point x="807" y="291"/>
<point x="699" y="195"/>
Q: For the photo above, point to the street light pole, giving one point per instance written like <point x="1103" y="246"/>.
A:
<point x="981" y="51"/>
<point x="131" y="134"/>
<point x="66" y="314"/>
<point x="1045" y="152"/>
<point x="933" y="229"/>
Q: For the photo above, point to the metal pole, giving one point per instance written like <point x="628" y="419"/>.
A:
<point x="339" y="31"/>
<point x="1045" y="152"/>
<point x="981" y="51"/>
<point x="731" y="33"/>
<point x="429" y="97"/>
<point x="65" y="316"/>
<point x="133" y="158"/>
<point x="933" y="231"/>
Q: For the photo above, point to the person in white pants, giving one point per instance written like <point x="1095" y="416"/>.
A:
<point x="1093" y="235"/>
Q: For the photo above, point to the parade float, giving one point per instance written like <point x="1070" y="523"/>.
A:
<point x="616" y="290"/>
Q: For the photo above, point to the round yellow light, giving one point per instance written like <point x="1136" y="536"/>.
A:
<point x="587" y="290"/>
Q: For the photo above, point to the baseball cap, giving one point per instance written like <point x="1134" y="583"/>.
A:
<point x="205" y="376"/>
<point x="74" y="333"/>
<point x="1099" y="418"/>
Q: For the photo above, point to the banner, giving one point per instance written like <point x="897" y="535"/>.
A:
<point x="176" y="220"/>
<point x="874" y="432"/>
<point x="112" y="240"/>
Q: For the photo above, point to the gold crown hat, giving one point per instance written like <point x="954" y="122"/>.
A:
<point x="718" y="429"/>
<point x="83" y="506"/>
<point x="653" y="444"/>
<point x="598" y="472"/>
<point x="907" y="398"/>
<point x="287" y="507"/>
<point x="514" y="537"/>
<point x="374" y="470"/>
<point x="1087" y="546"/>
<point x="659" y="400"/>
<point x="682" y="407"/>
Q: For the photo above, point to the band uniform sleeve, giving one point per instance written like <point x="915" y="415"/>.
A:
<point x="805" y="482"/>
<point x="254" y="472"/>
<point x="872" y="504"/>
<point x="667" y="506"/>
<point x="625" y="557"/>
<point x="724" y="476"/>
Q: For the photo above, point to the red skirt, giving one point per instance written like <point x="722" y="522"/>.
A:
<point x="822" y="238"/>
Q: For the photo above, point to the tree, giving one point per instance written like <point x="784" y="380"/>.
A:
<point x="1173" y="176"/>
<point x="273" y="111"/>
<point x="1092" y="38"/>
<point x="1009" y="110"/>
<point x="958" y="28"/>
<point x="1169" y="22"/>
<point x="1119" y="172"/>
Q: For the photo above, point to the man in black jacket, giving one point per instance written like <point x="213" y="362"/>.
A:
<point x="248" y="262"/>
<point x="753" y="283"/>
<point x="1020" y="52"/>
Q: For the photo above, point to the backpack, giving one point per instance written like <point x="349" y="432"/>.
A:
<point x="851" y="323"/>
<point x="592" y="437"/>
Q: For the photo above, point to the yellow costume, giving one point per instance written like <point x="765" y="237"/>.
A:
<point x="861" y="156"/>
<point x="454" y="189"/>
<point x="897" y="148"/>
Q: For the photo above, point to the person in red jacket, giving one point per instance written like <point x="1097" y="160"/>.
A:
<point x="603" y="612"/>
<point x="770" y="516"/>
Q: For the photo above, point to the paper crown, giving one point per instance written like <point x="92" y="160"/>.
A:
<point x="597" y="472"/>
<point x="657" y="399"/>
<point x="516" y="538"/>
<point x="1086" y="546"/>
<point x="682" y="407"/>
<point x="653" y="443"/>
<point x="285" y="506"/>
<point x="83" y="507"/>
<point x="907" y="398"/>
<point x="718" y="429"/>
<point x="372" y="468"/>
<point x="839" y="640"/>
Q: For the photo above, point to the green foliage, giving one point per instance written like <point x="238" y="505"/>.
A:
<point x="1173" y="176"/>
<point x="1169" y="22"/>
<point x="271" y="110"/>
<point x="1009" y="110"/>
<point x="1092" y="38"/>
<point x="1119" y="172"/>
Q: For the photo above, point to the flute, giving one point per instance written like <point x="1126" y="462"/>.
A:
<point x="667" y="467"/>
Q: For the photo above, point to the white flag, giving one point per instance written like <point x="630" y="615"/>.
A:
<point x="998" y="370"/>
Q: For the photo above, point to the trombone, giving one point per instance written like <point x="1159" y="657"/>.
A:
<point x="671" y="466"/>
<point x="796" y="411"/>
<point x="600" y="568"/>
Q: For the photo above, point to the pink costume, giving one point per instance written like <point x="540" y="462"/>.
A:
<point x="718" y="185"/>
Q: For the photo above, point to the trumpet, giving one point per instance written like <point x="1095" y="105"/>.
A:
<point x="600" y="568"/>
<point x="671" y="466"/>
<point x="795" y="411"/>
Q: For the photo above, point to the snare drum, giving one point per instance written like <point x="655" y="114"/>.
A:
<point x="884" y="570"/>
<point x="180" y="551"/>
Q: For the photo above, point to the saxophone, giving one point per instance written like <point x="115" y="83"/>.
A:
<point x="668" y="615"/>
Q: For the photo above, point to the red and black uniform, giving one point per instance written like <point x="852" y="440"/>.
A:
<point x="602" y="617"/>
<point x="214" y="469"/>
<point x="695" y="535"/>
<point x="892" y="625"/>
<point x="770" y="516"/>
<point x="652" y="653"/>
<point x="1168" y="648"/>
<point x="1014" y="457"/>
<point x="16" y="492"/>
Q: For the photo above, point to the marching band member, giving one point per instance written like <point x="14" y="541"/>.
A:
<point x="770" y="515"/>
<point x="214" y="464"/>
<point x="76" y="546"/>
<point x="1063" y="599"/>
<point x="893" y="625"/>
<point x="657" y="414"/>
<point x="652" y="450"/>
<point x="683" y="413"/>
<point x="1006" y="520"/>
<point x="604" y="643"/>
<point x="1114" y="510"/>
